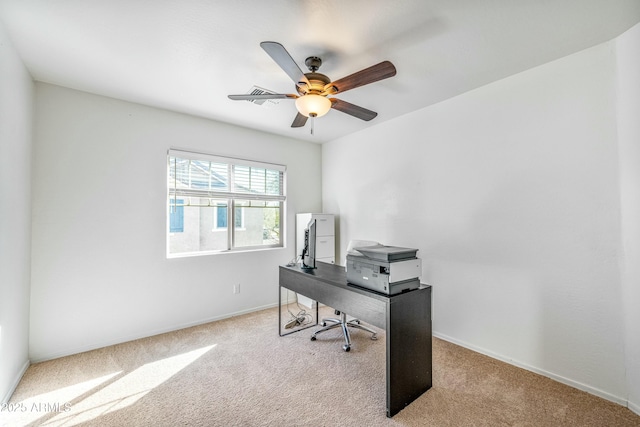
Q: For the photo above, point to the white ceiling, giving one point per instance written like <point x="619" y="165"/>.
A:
<point x="188" y="55"/>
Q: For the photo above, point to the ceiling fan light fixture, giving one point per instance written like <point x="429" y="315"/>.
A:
<point x="313" y="105"/>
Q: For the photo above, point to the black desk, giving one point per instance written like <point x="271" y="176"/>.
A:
<point x="406" y="318"/>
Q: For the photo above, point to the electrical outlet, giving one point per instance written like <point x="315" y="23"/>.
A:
<point x="236" y="288"/>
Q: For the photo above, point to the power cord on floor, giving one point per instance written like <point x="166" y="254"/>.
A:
<point x="297" y="319"/>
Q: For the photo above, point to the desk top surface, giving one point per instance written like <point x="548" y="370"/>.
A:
<point x="336" y="275"/>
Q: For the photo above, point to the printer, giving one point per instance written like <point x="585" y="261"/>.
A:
<point x="386" y="269"/>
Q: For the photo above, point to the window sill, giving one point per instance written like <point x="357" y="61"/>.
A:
<point x="223" y="252"/>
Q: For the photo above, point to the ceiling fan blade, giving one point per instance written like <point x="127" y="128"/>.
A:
<point x="352" y="109"/>
<point x="299" y="121"/>
<point x="280" y="55"/>
<point x="249" y="97"/>
<point x="372" y="74"/>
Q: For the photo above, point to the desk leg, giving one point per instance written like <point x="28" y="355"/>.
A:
<point x="408" y="349"/>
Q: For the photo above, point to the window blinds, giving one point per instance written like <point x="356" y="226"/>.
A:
<point x="214" y="177"/>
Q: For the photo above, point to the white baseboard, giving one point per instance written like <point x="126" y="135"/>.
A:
<point x="15" y="382"/>
<point x="634" y="407"/>
<point x="560" y="379"/>
<point x="288" y="297"/>
<point x="36" y="358"/>
<point x="302" y="300"/>
<point x="306" y="301"/>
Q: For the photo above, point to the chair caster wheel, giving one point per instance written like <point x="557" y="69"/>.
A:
<point x="323" y="324"/>
<point x="313" y="338"/>
<point x="356" y="321"/>
<point x="374" y="337"/>
<point x="346" y="347"/>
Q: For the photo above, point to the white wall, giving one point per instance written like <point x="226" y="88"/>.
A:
<point x="16" y="116"/>
<point x="100" y="273"/>
<point x="510" y="192"/>
<point x="628" y="55"/>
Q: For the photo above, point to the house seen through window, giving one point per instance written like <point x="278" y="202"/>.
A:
<point x="207" y="193"/>
<point x="221" y="217"/>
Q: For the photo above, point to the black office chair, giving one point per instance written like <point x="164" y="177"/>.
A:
<point x="342" y="322"/>
<point x="345" y="324"/>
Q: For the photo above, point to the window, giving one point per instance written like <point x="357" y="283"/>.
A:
<point x="208" y="193"/>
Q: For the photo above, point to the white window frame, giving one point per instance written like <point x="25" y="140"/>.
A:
<point x="231" y="194"/>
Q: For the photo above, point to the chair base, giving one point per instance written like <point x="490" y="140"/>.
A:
<point x="345" y="325"/>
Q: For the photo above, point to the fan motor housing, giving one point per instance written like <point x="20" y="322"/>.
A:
<point x="317" y="82"/>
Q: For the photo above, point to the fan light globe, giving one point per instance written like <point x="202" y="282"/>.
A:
<point x="313" y="105"/>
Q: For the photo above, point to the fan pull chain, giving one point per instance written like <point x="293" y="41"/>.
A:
<point x="312" y="116"/>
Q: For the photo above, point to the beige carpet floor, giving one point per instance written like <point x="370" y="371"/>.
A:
<point x="239" y="372"/>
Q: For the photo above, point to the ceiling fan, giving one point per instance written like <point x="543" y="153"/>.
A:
<point x="315" y="88"/>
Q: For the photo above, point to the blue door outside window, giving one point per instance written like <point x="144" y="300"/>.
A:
<point x="221" y="216"/>
<point x="176" y="217"/>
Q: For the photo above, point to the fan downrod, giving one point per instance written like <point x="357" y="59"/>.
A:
<point x="313" y="63"/>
